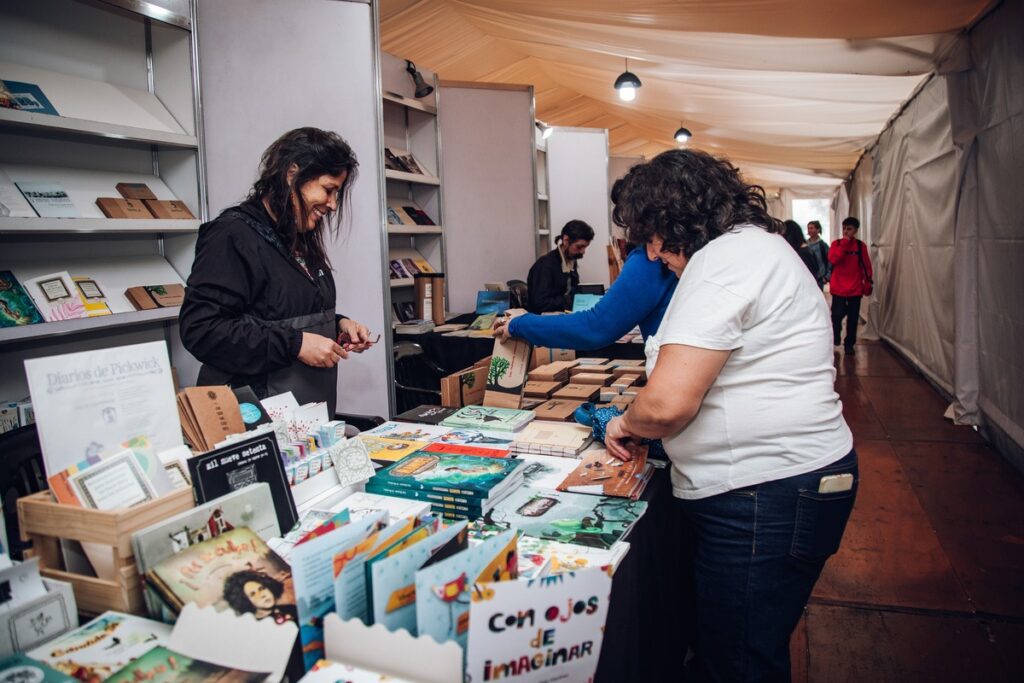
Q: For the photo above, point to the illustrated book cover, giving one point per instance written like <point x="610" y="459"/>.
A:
<point x="506" y="375"/>
<point x="16" y="307"/>
<point x="594" y="521"/>
<point x="18" y="668"/>
<point x="490" y="418"/>
<point x="163" y="665"/>
<point x="349" y="563"/>
<point x="407" y="431"/>
<point x="445" y="590"/>
<point x="601" y="473"/>
<point x="545" y="471"/>
<point x="476" y="438"/>
<point x="569" y="557"/>
<point x="390" y="450"/>
<point x="55" y="297"/>
<point x="103" y="646"/>
<point x="425" y="414"/>
<point x="235" y="570"/>
<point x="28" y="97"/>
<point x="467" y="475"/>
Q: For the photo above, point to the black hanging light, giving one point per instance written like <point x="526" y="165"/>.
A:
<point x="683" y="135"/>
<point x="626" y="84"/>
<point x="422" y="89"/>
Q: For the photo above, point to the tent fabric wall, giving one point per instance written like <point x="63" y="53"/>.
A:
<point x="912" y="229"/>
<point x="987" y="114"/>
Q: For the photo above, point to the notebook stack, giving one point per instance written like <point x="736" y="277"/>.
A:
<point x="456" y="486"/>
<point x="553" y="438"/>
<point x="489" y="418"/>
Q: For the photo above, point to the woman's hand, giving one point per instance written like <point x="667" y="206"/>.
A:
<point x="320" y="352"/>
<point x="353" y="336"/>
<point x="501" y="332"/>
<point x="617" y="439"/>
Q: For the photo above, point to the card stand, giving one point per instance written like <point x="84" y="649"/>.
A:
<point x="373" y="648"/>
<point x="35" y="622"/>
<point x="45" y="523"/>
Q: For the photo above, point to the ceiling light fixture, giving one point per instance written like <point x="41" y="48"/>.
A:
<point x="683" y="135"/>
<point x="422" y="89"/>
<point x="545" y="130"/>
<point x="626" y="84"/>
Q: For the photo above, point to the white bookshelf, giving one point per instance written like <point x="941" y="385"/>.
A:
<point x="121" y="76"/>
<point x="415" y="229"/>
<point x="413" y="178"/>
<point x="543" y="210"/>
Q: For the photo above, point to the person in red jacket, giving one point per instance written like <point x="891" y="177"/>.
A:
<point x="851" y="274"/>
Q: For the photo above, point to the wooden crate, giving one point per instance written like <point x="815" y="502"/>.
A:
<point x="46" y="523"/>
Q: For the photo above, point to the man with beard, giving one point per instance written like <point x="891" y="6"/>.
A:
<point x="554" y="278"/>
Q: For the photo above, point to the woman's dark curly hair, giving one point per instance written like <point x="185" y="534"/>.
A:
<point x="315" y="152"/>
<point x="234" y="589"/>
<point x="687" y="198"/>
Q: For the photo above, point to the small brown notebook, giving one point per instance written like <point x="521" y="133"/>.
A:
<point x="147" y="297"/>
<point x="578" y="392"/>
<point x="116" y="207"/>
<point x="538" y="389"/>
<point x="557" y="410"/>
<point x="168" y="208"/>
<point x="135" y="191"/>
<point x="601" y="379"/>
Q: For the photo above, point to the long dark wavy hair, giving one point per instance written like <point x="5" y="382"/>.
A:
<point x="315" y="152"/>
<point x="687" y="198"/>
<point x="234" y="589"/>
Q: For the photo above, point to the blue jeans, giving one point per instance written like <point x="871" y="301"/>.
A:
<point x="758" y="552"/>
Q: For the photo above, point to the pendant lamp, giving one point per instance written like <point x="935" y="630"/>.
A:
<point x="626" y="84"/>
<point x="682" y="135"/>
<point x="422" y="89"/>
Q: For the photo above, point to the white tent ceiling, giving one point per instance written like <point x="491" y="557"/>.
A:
<point x="790" y="90"/>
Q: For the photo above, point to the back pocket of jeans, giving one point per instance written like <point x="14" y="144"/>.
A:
<point x="820" y="521"/>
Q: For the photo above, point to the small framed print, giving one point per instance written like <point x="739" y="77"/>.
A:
<point x="54" y="289"/>
<point x="115" y="482"/>
<point x="89" y="289"/>
<point x="179" y="476"/>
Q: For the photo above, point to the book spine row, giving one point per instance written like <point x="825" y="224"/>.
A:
<point x="402" y="484"/>
<point x="434" y="498"/>
<point x="543" y="449"/>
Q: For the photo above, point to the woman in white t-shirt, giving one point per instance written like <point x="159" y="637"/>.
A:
<point x="741" y="393"/>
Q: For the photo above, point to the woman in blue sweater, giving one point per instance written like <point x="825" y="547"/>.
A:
<point x="639" y="296"/>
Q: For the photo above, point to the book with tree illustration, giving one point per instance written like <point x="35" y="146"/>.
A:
<point x="489" y="418"/>
<point x="233" y="570"/>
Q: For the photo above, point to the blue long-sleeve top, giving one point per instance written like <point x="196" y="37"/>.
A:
<point x="639" y="296"/>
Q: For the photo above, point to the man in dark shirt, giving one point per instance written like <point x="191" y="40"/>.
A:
<point x="553" y="279"/>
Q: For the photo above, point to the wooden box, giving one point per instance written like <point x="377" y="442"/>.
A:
<point x="592" y="361"/>
<point x="578" y="392"/>
<point x="46" y="523"/>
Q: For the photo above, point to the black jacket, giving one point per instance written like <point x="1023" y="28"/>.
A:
<point x="547" y="287"/>
<point x="243" y="278"/>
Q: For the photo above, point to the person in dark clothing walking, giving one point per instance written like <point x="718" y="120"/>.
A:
<point x="818" y="249"/>
<point x="851" y="280"/>
<point x="259" y="309"/>
<point x="554" y="278"/>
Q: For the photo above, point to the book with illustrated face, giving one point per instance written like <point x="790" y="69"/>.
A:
<point x="98" y="649"/>
<point x="16" y="307"/>
<point x="594" y="521"/>
<point x="234" y="570"/>
<point x="163" y="665"/>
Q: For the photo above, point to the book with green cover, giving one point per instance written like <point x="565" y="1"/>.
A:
<point x="486" y="417"/>
<point x="16" y="307"/>
<point x="163" y="665"/>
<point x="465" y="475"/>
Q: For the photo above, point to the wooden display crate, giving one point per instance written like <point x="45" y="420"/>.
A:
<point x="46" y="523"/>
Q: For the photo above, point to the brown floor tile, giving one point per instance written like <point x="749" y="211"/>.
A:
<point x="873" y="359"/>
<point x="859" y="645"/>
<point x="911" y="410"/>
<point x="890" y="555"/>
<point x="975" y="501"/>
<point x="857" y="410"/>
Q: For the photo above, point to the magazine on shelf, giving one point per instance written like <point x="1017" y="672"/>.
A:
<point x="28" y="97"/>
<point x="50" y="200"/>
<point x="55" y="296"/>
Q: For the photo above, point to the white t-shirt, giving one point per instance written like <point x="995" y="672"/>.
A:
<point x="773" y="411"/>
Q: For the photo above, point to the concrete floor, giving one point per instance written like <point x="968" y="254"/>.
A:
<point x="929" y="582"/>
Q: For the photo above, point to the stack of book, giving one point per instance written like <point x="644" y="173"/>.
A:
<point x="457" y="486"/>
<point x="490" y="418"/>
<point x="553" y="438"/>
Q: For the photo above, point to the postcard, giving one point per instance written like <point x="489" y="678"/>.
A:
<point x="351" y="461"/>
<point x="115" y="482"/>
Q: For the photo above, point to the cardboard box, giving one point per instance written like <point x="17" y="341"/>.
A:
<point x="603" y="369"/>
<point x="592" y="361"/>
<point x="539" y="389"/>
<point x="45" y="523"/>
<point x="464" y="388"/>
<point x="116" y="207"/>
<point x="624" y="382"/>
<point x="601" y="379"/>
<point x="552" y="372"/>
<point x="578" y="392"/>
<point x="38" y="621"/>
<point x="636" y="363"/>
<point x="621" y="370"/>
<point x="621" y="402"/>
<point x="543" y="355"/>
<point x="168" y="208"/>
<point x="557" y="410"/>
<point x="135" y="191"/>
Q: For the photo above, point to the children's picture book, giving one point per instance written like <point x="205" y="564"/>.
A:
<point x="467" y="475"/>
<point x="360" y="504"/>
<point x="545" y="471"/>
<point x="490" y="418"/>
<point x="49" y="200"/>
<point x="445" y="590"/>
<point x="569" y="557"/>
<point x="483" y="322"/>
<point x="601" y="473"/>
<point x="594" y="521"/>
<point x="349" y="562"/>
<point x="103" y="646"/>
<point x="392" y="579"/>
<point x="28" y="97"/>
<point x="408" y="431"/>
<point x="163" y="665"/>
<point x="250" y="507"/>
<point x="390" y="450"/>
<point x="235" y="570"/>
<point x="244" y="462"/>
<point x="16" y="307"/>
<point x="477" y="438"/>
<point x="18" y="668"/>
<point x="312" y="564"/>
<point x="55" y="297"/>
<point x="492" y="302"/>
<point x="456" y="449"/>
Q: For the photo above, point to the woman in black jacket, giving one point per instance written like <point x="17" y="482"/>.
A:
<point x="259" y="307"/>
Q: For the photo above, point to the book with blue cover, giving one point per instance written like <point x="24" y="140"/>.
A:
<point x="16" y="307"/>
<point x="486" y="417"/>
<point x="461" y="475"/>
<point x="29" y="97"/>
<point x="445" y="590"/>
